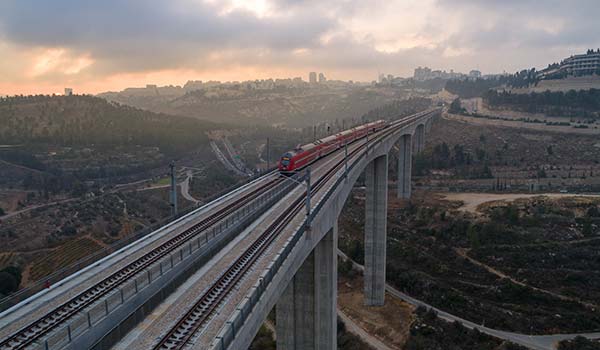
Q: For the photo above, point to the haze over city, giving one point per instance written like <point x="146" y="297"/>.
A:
<point x="110" y="45"/>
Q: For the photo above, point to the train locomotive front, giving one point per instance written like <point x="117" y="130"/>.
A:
<point x="286" y="163"/>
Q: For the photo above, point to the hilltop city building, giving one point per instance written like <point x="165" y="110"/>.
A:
<point x="576" y="65"/>
<point x="474" y="74"/>
<point x="425" y="73"/>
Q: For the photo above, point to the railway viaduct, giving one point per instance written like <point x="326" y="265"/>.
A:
<point x="304" y="289"/>
<point x="209" y="279"/>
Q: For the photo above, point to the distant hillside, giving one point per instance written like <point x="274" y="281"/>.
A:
<point x="295" y="107"/>
<point x="582" y="103"/>
<point x="565" y="85"/>
<point x="87" y="120"/>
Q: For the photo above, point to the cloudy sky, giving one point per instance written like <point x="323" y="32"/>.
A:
<point x="102" y="45"/>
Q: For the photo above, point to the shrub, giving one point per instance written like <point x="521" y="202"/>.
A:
<point x="8" y="283"/>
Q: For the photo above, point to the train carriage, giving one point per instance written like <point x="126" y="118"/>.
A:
<point x="303" y="155"/>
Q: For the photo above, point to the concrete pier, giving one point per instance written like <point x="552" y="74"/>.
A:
<point x="326" y="289"/>
<point x="306" y="311"/>
<point x="375" y="230"/>
<point x="404" y="167"/>
<point x="419" y="139"/>
<point x="285" y="318"/>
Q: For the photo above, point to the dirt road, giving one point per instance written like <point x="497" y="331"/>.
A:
<point x="472" y="200"/>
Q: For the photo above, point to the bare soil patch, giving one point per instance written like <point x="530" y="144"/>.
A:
<point x="472" y="201"/>
<point x="389" y="323"/>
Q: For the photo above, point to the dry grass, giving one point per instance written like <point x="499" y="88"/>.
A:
<point x="5" y="259"/>
<point x="64" y="255"/>
<point x="389" y="323"/>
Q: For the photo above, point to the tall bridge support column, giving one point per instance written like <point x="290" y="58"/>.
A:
<point x="326" y="290"/>
<point x="306" y="313"/>
<point x="419" y="139"/>
<point x="375" y="230"/>
<point x="404" y="167"/>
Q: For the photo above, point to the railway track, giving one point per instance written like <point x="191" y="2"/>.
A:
<point x="206" y="305"/>
<point x="35" y="330"/>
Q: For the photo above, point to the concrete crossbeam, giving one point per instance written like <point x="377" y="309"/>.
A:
<point x="306" y="311"/>
<point x="375" y="230"/>
<point x="404" y="167"/>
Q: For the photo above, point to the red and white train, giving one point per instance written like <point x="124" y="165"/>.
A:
<point x="301" y="156"/>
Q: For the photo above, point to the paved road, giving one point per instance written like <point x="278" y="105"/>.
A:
<point x="537" y="342"/>
<point x="185" y="188"/>
<point x="17" y="212"/>
<point x="224" y="160"/>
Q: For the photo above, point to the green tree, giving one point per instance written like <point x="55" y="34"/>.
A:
<point x="356" y="252"/>
<point x="15" y="271"/>
<point x="512" y="214"/>
<point x="578" y="343"/>
<point x="460" y="157"/>
<point x="263" y="340"/>
<point x="455" y="107"/>
<point x="8" y="283"/>
<point x="593" y="212"/>
<point x="473" y="236"/>
<point x="480" y="153"/>
<point x="542" y="173"/>
<point x="486" y="172"/>
<point x="587" y="227"/>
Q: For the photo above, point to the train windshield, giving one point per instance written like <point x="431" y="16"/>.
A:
<point x="285" y="160"/>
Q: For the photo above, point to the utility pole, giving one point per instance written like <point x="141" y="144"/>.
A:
<point x="314" y="133"/>
<point x="301" y="181"/>
<point x="346" y="160"/>
<point x="307" y="197"/>
<point x="268" y="155"/>
<point x="173" y="189"/>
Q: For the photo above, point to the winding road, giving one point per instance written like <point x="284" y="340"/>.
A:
<point x="537" y="342"/>
<point x="185" y="187"/>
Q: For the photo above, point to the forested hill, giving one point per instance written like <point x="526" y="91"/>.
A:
<point x="582" y="103"/>
<point x="87" y="120"/>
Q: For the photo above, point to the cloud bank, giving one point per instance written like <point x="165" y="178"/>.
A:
<point x="93" y="44"/>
